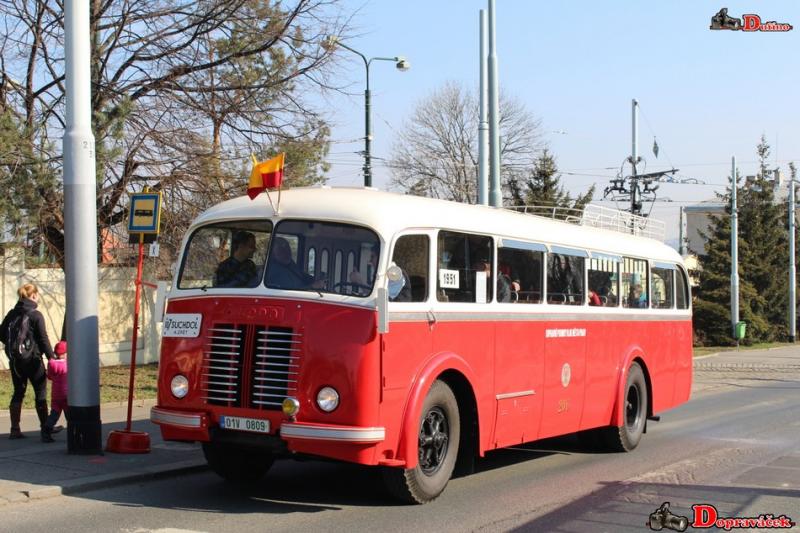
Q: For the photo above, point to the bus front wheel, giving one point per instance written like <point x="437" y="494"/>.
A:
<point x="634" y="416"/>
<point x="438" y="440"/>
<point x="236" y="465"/>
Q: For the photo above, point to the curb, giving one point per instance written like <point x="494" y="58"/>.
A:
<point x="91" y="483"/>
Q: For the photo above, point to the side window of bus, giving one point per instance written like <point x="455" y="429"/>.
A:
<point x="337" y="267"/>
<point x="522" y="271"/>
<point x="603" y="282"/>
<point x="464" y="268"/>
<point x="634" y="283"/>
<point x="312" y="261"/>
<point x="681" y="289"/>
<point x="663" y="288"/>
<point x="323" y="263"/>
<point x="565" y="279"/>
<point x="411" y="255"/>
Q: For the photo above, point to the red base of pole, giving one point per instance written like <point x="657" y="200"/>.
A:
<point x="121" y="441"/>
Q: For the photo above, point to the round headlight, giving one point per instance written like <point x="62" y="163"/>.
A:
<point x="328" y="399"/>
<point x="179" y="386"/>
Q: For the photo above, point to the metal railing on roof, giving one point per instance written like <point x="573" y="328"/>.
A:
<point x="597" y="216"/>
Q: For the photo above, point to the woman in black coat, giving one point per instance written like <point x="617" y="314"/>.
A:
<point x="32" y="368"/>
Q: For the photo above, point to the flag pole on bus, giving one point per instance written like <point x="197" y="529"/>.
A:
<point x="267" y="175"/>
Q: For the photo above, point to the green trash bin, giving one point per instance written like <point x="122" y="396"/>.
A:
<point x="741" y="329"/>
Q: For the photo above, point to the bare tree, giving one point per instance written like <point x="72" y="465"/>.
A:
<point x="182" y="92"/>
<point x="437" y="152"/>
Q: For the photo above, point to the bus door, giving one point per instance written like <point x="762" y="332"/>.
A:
<point x="564" y="343"/>
<point x="519" y="343"/>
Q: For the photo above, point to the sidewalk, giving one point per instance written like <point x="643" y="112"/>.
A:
<point x="31" y="469"/>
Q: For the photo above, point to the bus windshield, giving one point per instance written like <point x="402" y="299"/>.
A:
<point x="228" y="254"/>
<point x="323" y="257"/>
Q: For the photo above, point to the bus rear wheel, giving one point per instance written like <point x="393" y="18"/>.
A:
<point x="627" y="436"/>
<point x="438" y="441"/>
<point x="237" y="465"/>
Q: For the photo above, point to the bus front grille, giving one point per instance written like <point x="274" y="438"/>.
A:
<point x="276" y="363"/>
<point x="222" y="365"/>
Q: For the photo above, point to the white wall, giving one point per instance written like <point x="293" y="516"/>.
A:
<point x="115" y="307"/>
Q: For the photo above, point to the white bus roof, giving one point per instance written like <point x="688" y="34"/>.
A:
<point x="388" y="213"/>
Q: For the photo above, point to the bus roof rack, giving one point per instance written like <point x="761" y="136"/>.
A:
<point x="597" y="216"/>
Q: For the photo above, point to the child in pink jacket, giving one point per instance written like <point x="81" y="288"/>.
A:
<point x="57" y="373"/>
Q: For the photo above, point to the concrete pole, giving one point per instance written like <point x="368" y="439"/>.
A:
<point x="681" y="233"/>
<point x="634" y="157"/>
<point x="792" y="269"/>
<point x="80" y="234"/>
<point x="734" y="251"/>
<point x="495" y="195"/>
<point x="483" y="121"/>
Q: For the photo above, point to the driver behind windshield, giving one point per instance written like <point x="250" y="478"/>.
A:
<point x="238" y="270"/>
<point x="283" y="272"/>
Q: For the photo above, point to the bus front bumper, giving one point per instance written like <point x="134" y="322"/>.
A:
<point x="357" y="435"/>
<point x="181" y="425"/>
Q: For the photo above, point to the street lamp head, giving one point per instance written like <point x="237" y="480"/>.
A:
<point x="402" y="64"/>
<point x="330" y="42"/>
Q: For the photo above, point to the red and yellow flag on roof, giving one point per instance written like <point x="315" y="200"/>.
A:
<point x="265" y="175"/>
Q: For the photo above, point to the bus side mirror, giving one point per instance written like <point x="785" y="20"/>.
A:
<point x="383" y="310"/>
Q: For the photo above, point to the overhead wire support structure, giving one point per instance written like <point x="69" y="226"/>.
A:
<point x="639" y="189"/>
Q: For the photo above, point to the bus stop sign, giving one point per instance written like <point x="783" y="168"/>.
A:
<point x="145" y="216"/>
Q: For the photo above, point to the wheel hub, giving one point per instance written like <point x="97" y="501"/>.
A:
<point x="433" y="440"/>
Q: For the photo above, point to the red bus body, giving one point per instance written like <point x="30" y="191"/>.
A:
<point x="524" y="373"/>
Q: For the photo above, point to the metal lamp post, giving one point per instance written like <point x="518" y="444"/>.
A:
<point x="402" y="65"/>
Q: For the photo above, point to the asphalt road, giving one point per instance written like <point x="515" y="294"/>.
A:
<point x="735" y="445"/>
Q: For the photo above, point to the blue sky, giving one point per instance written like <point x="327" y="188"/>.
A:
<point x="706" y="95"/>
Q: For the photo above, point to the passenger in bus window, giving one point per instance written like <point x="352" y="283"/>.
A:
<point x="238" y="270"/>
<point x="283" y="272"/>
<point x="503" y="282"/>
<point x="638" y="299"/>
<point x="506" y="275"/>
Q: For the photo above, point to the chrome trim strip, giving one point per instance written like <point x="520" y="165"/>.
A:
<point x="161" y="416"/>
<point x="623" y="315"/>
<point x="341" y="433"/>
<point x="515" y="394"/>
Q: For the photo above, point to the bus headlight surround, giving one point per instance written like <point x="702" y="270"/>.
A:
<point x="179" y="386"/>
<point x="327" y="399"/>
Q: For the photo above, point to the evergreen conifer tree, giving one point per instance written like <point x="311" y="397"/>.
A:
<point x="542" y="187"/>
<point x="763" y="259"/>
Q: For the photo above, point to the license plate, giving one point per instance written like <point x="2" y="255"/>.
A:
<point x="240" y="423"/>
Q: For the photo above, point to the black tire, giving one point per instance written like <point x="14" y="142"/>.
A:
<point x="634" y="417"/>
<point x="439" y="436"/>
<point x="237" y="465"/>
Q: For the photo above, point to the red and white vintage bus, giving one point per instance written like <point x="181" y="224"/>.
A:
<point x="413" y="334"/>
